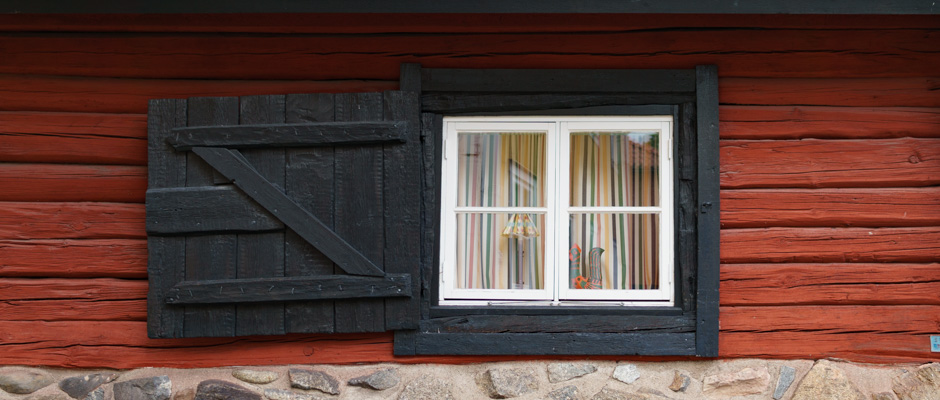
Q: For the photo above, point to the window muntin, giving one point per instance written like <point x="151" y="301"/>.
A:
<point x="520" y="194"/>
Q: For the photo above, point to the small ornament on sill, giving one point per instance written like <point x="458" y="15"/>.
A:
<point x="594" y="269"/>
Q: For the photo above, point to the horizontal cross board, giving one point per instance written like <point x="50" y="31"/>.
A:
<point x="289" y="289"/>
<point x="205" y="209"/>
<point x="288" y="135"/>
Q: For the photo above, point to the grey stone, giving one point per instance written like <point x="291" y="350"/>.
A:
<point x="566" y="393"/>
<point x="153" y="388"/>
<point x="254" y="376"/>
<point x="610" y="394"/>
<point x="680" y="382"/>
<point x="215" y="389"/>
<point x="826" y="382"/>
<point x="787" y="374"/>
<point x="278" y="394"/>
<point x="560" y="372"/>
<point x="23" y="382"/>
<point x="739" y="383"/>
<point x="97" y="394"/>
<point x="883" y="396"/>
<point x="920" y="384"/>
<point x="80" y="386"/>
<point x="308" y="379"/>
<point x="49" y="396"/>
<point x="626" y="373"/>
<point x="504" y="383"/>
<point x="378" y="380"/>
<point x="427" y="388"/>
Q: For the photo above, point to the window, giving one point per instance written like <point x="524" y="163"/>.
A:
<point x="557" y="211"/>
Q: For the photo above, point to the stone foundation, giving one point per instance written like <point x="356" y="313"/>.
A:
<point x="597" y="380"/>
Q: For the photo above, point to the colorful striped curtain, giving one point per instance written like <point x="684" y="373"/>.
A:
<point x="616" y="170"/>
<point x="499" y="170"/>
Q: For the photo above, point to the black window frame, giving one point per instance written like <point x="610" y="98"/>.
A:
<point x="690" y="326"/>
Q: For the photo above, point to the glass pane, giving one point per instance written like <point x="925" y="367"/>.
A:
<point x="613" y="251"/>
<point x="500" y="251"/>
<point x="501" y="170"/>
<point x="615" y="169"/>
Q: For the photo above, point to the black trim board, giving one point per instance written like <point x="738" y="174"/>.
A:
<point x="478" y="6"/>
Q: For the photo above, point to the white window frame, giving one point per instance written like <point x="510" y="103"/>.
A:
<point x="556" y="209"/>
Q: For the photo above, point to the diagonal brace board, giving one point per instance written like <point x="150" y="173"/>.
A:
<point x="234" y="166"/>
<point x="288" y="135"/>
<point x="293" y="288"/>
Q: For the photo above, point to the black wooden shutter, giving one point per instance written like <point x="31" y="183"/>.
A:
<point x="279" y="214"/>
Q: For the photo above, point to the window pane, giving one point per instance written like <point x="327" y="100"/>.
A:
<point x="500" y="251"/>
<point x="615" y="169"/>
<point x="501" y="170"/>
<point x="613" y="251"/>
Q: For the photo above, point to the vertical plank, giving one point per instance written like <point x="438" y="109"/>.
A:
<point x="432" y="137"/>
<point x="687" y="211"/>
<point x="261" y="255"/>
<point x="359" y="207"/>
<point x="402" y="177"/>
<point x="706" y="92"/>
<point x="166" y="264"/>
<point x="209" y="256"/>
<point x="309" y="182"/>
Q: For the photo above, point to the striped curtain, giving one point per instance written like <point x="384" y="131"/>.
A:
<point x="499" y="170"/>
<point x="616" y="170"/>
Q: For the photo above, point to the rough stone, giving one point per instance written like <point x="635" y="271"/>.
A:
<point x="278" y="394"/>
<point x="560" y="372"/>
<point x="787" y="374"/>
<point x="309" y="379"/>
<point x="80" y="386"/>
<point x="610" y="394"/>
<point x="378" y="380"/>
<point x="626" y="373"/>
<point x="153" y="388"/>
<point x="49" y="396"/>
<point x="23" y="382"/>
<point x="504" y="383"/>
<point x="826" y="382"/>
<point x="680" y="382"/>
<point x="255" y="376"/>
<point x="215" y="389"/>
<point x="920" y="384"/>
<point x="97" y="394"/>
<point x="185" y="394"/>
<point x="427" y="388"/>
<point x="738" y="383"/>
<point x="566" y="393"/>
<point x="883" y="396"/>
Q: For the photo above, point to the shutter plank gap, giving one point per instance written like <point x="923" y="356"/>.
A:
<point x="308" y="171"/>
<point x="209" y="256"/>
<point x="359" y="207"/>
<point x="289" y="135"/>
<point x="261" y="255"/>
<point x="256" y="290"/>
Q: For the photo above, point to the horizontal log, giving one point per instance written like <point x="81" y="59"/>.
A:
<point x="801" y="122"/>
<point x="72" y="289"/>
<point x="830" y="284"/>
<point x="842" y="91"/>
<point x="737" y="52"/>
<point x="73" y="310"/>
<point x="79" y="138"/>
<point x="68" y="183"/>
<point x="118" y="258"/>
<point x="109" y="95"/>
<point x="289" y="289"/>
<point x="205" y="209"/>
<point x="881" y="207"/>
<point x="915" y="320"/>
<point x="289" y="135"/>
<point x="57" y="220"/>
<point x="823" y="245"/>
<point x="815" y="163"/>
<point x="882" y="348"/>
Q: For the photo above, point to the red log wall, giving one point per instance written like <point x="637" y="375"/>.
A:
<point x="830" y="165"/>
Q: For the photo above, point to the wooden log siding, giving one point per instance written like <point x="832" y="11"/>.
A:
<point x="832" y="256"/>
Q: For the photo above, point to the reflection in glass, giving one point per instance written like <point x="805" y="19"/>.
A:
<point x="613" y="251"/>
<point x="493" y="254"/>
<point x="501" y="170"/>
<point x="615" y="169"/>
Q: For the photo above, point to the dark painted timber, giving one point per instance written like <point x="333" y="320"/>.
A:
<point x="236" y="168"/>
<point x="490" y="103"/>
<point x="572" y="322"/>
<point x="288" y="135"/>
<point x="709" y="216"/>
<point x="205" y="209"/>
<point x="255" y="290"/>
<point x="540" y="80"/>
<point x="625" y="343"/>
<point x="479" y="6"/>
